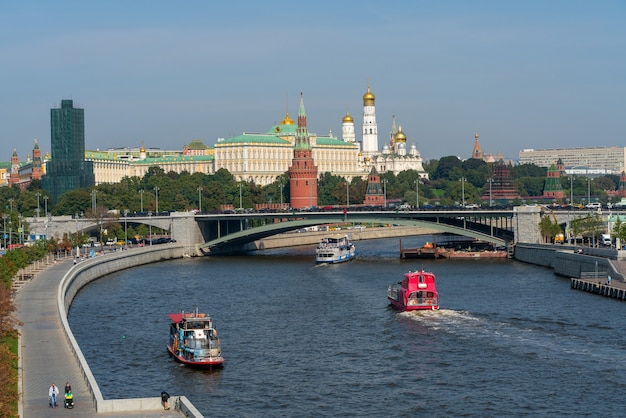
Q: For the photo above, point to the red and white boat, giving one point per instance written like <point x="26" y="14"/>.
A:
<point x="193" y="340"/>
<point x="416" y="291"/>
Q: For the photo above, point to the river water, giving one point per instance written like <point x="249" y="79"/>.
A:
<point x="302" y="339"/>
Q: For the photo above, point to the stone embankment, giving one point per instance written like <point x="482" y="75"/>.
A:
<point x="293" y="239"/>
<point x="587" y="268"/>
<point x="46" y="329"/>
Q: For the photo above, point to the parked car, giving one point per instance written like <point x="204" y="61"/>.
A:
<point x="594" y="205"/>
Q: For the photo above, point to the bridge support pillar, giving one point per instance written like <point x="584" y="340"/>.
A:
<point x="526" y="224"/>
<point x="186" y="230"/>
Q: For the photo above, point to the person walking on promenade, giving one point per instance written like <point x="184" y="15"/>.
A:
<point x="608" y="280"/>
<point x="68" y="387"/>
<point x="53" y="392"/>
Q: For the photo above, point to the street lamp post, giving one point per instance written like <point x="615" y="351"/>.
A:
<point x="385" y="193"/>
<point x="200" y="199"/>
<point x="45" y="202"/>
<point x="38" y="195"/>
<point x="20" y="228"/>
<point x="490" y="198"/>
<point x="462" y="180"/>
<point x="347" y="194"/>
<point x="141" y="194"/>
<point x="240" y="196"/>
<point x="156" y="197"/>
<point x="588" y="189"/>
<point x="4" y="230"/>
<point x="126" y="229"/>
<point x="93" y="202"/>
<point x="417" y="193"/>
<point x="281" y="194"/>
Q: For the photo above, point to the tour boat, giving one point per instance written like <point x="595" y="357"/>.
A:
<point x="416" y="291"/>
<point x="334" y="250"/>
<point x="193" y="340"/>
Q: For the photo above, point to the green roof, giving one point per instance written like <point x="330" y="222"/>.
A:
<point x="254" y="139"/>
<point x="289" y="130"/>
<point x="334" y="142"/>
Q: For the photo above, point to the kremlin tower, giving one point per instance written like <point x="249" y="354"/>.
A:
<point x="303" y="171"/>
<point x="14" y="177"/>
<point x="37" y="170"/>
<point x="476" y="153"/>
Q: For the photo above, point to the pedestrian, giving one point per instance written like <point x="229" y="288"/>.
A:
<point x="608" y="280"/>
<point x="68" y="387"/>
<point x="53" y="392"/>
<point x="165" y="399"/>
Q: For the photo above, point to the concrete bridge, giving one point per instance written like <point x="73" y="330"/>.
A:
<point x="235" y="232"/>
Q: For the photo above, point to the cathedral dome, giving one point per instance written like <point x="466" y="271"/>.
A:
<point x="287" y="120"/>
<point x="368" y="98"/>
<point x="400" y="136"/>
<point x="347" y="118"/>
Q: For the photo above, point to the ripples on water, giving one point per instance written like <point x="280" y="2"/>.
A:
<point x="300" y="339"/>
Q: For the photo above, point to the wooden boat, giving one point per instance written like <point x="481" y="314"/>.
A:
<point x="416" y="291"/>
<point x="193" y="340"/>
<point x="334" y="250"/>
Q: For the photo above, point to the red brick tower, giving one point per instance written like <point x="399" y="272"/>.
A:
<point x="374" y="195"/>
<point x="37" y="170"/>
<point x="303" y="171"/>
<point x="14" y="177"/>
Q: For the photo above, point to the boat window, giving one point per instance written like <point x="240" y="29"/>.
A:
<point x="421" y="279"/>
<point x="429" y="294"/>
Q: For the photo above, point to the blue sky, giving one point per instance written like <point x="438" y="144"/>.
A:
<point x="531" y="74"/>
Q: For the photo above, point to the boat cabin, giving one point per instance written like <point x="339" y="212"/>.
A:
<point x="420" y="288"/>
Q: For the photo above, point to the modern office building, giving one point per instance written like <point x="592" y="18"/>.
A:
<point x="67" y="170"/>
<point x="593" y="160"/>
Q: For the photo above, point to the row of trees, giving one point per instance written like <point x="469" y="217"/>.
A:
<point x="10" y="264"/>
<point x="181" y="192"/>
<point x="589" y="227"/>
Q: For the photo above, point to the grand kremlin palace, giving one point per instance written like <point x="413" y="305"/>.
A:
<point x="263" y="157"/>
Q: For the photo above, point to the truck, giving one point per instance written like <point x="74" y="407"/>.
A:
<point x="606" y="240"/>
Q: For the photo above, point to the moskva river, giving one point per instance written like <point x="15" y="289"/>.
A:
<point x="300" y="339"/>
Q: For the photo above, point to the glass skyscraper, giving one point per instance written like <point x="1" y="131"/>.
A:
<point x="67" y="170"/>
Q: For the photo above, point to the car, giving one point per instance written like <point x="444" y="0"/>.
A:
<point x="594" y="205"/>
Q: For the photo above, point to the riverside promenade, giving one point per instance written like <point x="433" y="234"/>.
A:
<point x="46" y="355"/>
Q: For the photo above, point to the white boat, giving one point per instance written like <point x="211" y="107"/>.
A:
<point x="332" y="250"/>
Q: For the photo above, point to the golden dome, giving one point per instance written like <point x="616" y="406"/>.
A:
<point x="347" y="118"/>
<point x="368" y="98"/>
<point x="287" y="120"/>
<point x="400" y="136"/>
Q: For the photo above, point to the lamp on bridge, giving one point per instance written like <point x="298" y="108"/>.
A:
<point x="417" y="192"/>
<point x="200" y="198"/>
<point x="38" y="195"/>
<point x="156" y="197"/>
<point x="385" y="193"/>
<point x="462" y="180"/>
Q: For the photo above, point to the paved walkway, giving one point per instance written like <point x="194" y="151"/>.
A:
<point x="46" y="357"/>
